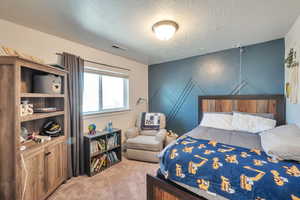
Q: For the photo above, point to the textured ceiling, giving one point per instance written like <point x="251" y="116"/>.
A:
<point x="205" y="25"/>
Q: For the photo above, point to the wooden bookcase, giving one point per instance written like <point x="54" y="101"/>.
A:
<point x="33" y="173"/>
<point x="109" y="155"/>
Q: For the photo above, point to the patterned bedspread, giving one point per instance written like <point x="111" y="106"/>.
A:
<point x="230" y="171"/>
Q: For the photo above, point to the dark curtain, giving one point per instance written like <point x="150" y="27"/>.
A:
<point x="74" y="65"/>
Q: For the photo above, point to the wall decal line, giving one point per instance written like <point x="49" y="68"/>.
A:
<point x="181" y="103"/>
<point x="203" y="92"/>
<point x="179" y="106"/>
<point x="180" y="99"/>
<point x="236" y="90"/>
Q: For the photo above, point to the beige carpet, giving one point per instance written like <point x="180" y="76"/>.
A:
<point x="124" y="181"/>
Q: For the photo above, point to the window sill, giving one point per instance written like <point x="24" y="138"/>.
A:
<point x="105" y="113"/>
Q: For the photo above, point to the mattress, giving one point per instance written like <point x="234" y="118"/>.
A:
<point x="236" y="138"/>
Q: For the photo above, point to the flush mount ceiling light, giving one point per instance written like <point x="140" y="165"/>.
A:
<point x="165" y="30"/>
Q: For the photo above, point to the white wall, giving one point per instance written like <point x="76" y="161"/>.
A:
<point x="45" y="46"/>
<point x="292" y="40"/>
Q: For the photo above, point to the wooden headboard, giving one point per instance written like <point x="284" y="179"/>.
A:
<point x="244" y="103"/>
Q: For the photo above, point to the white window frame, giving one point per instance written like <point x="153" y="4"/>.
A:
<point x="125" y="90"/>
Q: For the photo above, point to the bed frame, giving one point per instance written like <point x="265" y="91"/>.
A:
<point x="159" y="188"/>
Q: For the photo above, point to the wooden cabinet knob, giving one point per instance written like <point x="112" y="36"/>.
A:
<point x="47" y="154"/>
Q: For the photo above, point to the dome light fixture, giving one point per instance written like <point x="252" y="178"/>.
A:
<point x="165" y="30"/>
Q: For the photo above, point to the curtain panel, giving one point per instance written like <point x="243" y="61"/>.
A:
<point x="75" y="66"/>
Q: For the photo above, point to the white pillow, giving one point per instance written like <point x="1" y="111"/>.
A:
<point x="282" y="142"/>
<point x="251" y="123"/>
<point x="217" y="120"/>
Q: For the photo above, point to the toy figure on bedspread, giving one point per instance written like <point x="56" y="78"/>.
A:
<point x="230" y="171"/>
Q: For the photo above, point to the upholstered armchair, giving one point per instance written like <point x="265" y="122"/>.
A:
<point x="145" y="145"/>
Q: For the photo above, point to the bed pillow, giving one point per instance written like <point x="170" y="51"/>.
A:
<point x="264" y="115"/>
<point x="251" y="123"/>
<point x="217" y="120"/>
<point x="282" y="142"/>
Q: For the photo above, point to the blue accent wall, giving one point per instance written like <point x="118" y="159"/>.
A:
<point x="174" y="86"/>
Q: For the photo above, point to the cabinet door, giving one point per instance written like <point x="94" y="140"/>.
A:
<point x="33" y="182"/>
<point x="55" y="159"/>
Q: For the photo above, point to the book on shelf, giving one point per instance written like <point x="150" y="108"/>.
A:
<point x="112" y="157"/>
<point x="97" y="146"/>
<point x="112" y="141"/>
<point x="98" y="163"/>
<point x="115" y="156"/>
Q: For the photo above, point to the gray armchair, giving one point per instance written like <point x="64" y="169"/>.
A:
<point x="145" y="145"/>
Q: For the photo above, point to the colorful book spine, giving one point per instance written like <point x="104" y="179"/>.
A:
<point x="97" y="146"/>
<point x="112" y="141"/>
<point x="98" y="163"/>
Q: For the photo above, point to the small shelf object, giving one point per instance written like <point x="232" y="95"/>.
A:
<point x="171" y="136"/>
<point x="102" y="151"/>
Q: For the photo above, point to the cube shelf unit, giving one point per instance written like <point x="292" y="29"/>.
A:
<point x="108" y="155"/>
<point x="33" y="173"/>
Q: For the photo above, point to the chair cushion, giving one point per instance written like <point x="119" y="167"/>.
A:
<point x="144" y="142"/>
<point x="149" y="132"/>
<point x="142" y="155"/>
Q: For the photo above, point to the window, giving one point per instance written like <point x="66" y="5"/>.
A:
<point x="104" y="93"/>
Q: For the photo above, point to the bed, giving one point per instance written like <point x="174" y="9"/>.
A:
<point x="169" y="185"/>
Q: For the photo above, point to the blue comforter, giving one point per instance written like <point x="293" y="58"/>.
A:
<point x="230" y="171"/>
